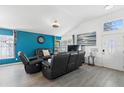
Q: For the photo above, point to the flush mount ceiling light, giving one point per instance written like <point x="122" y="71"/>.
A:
<point x="55" y="24"/>
<point x="108" y="7"/>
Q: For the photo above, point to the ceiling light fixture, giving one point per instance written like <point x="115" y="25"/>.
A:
<point x="55" y="24"/>
<point x="108" y="7"/>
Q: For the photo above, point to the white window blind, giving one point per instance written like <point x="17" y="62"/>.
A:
<point x="6" y="47"/>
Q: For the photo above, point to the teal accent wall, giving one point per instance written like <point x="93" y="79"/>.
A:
<point x="27" y="42"/>
<point x="5" y="31"/>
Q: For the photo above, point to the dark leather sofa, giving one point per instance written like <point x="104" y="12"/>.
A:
<point x="73" y="60"/>
<point x="31" y="65"/>
<point x="57" y="67"/>
<point x="81" y="58"/>
<point x="61" y="64"/>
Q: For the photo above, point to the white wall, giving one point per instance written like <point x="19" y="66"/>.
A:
<point x="97" y="25"/>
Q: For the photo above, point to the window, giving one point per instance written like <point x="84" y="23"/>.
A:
<point x="6" y="47"/>
<point x="113" y="25"/>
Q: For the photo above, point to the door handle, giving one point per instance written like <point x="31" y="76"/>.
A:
<point x="103" y="51"/>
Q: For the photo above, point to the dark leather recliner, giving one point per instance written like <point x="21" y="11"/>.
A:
<point x="31" y="65"/>
<point x="39" y="53"/>
<point x="57" y="67"/>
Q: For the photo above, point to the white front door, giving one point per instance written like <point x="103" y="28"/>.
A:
<point x="113" y="51"/>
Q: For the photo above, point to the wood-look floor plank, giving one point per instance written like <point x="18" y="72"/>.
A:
<point x="85" y="76"/>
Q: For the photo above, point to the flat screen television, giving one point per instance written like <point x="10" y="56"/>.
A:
<point x="73" y="48"/>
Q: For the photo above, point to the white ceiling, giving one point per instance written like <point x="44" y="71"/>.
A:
<point x="38" y="19"/>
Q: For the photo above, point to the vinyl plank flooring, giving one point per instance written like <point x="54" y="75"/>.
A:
<point x="85" y="76"/>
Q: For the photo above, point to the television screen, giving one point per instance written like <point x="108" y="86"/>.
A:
<point x="73" y="48"/>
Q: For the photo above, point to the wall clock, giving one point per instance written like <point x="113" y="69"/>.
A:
<point x="40" y="39"/>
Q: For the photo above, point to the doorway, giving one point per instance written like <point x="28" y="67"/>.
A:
<point x="113" y="51"/>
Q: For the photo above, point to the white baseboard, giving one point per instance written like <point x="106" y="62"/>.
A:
<point x="17" y="63"/>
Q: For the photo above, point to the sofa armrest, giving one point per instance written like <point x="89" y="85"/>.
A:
<point x="46" y="64"/>
<point x="33" y="58"/>
<point x="38" y="61"/>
